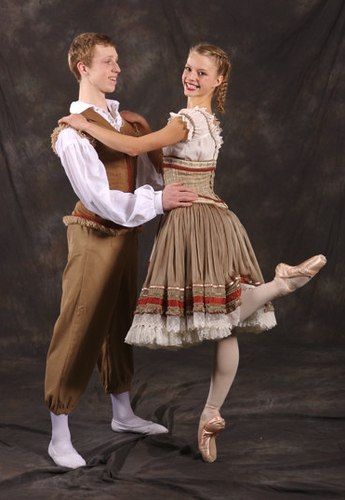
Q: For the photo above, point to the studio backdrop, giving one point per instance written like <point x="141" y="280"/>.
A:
<point x="281" y="168"/>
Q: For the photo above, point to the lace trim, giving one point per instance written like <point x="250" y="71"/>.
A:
<point x="154" y="331"/>
<point x="176" y="301"/>
<point x="188" y="121"/>
<point x="214" y="128"/>
<point x="73" y="219"/>
<point x="213" y="124"/>
<point x="55" y="134"/>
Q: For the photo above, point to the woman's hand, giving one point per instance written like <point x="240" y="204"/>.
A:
<point x="79" y="122"/>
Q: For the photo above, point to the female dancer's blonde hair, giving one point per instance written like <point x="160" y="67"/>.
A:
<point x="223" y="65"/>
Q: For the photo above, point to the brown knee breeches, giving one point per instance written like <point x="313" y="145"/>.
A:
<point x="98" y="300"/>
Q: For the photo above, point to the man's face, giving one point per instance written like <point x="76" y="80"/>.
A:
<point x="104" y="69"/>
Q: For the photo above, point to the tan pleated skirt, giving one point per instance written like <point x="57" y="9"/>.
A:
<point x="201" y="264"/>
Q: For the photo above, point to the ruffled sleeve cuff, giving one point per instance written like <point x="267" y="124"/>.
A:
<point x="186" y="118"/>
<point x="158" y="201"/>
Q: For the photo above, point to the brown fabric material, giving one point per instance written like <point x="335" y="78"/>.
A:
<point x="197" y="175"/>
<point x="201" y="266"/>
<point x="98" y="299"/>
<point x="120" y="168"/>
<point x="202" y="254"/>
<point x="99" y="224"/>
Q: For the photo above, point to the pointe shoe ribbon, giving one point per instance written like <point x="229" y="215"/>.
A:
<point x="307" y="269"/>
<point x="207" y="437"/>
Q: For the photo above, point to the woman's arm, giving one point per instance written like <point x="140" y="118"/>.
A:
<point x="89" y="181"/>
<point x="172" y="133"/>
<point x="144" y="128"/>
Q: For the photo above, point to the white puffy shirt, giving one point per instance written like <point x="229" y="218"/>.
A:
<point x="89" y="181"/>
<point x="204" y="136"/>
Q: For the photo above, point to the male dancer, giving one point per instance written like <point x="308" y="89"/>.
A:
<point x="99" y="281"/>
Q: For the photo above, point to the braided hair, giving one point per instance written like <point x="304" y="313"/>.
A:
<point x="223" y="66"/>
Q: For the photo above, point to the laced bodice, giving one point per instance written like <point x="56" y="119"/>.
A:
<point x="193" y="161"/>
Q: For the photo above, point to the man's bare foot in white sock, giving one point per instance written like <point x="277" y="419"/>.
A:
<point x="60" y="449"/>
<point x="124" y="419"/>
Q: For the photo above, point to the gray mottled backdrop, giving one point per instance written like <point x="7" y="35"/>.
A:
<point x="281" y="170"/>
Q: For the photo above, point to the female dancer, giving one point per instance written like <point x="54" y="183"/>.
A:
<point x="203" y="281"/>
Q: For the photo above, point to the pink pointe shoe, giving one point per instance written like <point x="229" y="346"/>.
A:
<point x="207" y="438"/>
<point x="293" y="277"/>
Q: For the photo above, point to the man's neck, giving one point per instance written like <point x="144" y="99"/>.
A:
<point x="93" y="96"/>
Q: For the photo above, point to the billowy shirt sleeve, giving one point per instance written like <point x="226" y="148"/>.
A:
<point x="147" y="174"/>
<point x="88" y="178"/>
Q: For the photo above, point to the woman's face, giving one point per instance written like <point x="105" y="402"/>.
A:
<point x="200" y="77"/>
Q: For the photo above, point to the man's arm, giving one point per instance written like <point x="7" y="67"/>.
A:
<point x="88" y="178"/>
<point x="89" y="181"/>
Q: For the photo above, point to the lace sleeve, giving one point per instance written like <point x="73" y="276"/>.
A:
<point x="185" y="116"/>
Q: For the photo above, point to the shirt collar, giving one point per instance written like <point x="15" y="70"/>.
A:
<point x="113" y="116"/>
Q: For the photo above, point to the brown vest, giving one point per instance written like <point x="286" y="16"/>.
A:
<point x="121" y="173"/>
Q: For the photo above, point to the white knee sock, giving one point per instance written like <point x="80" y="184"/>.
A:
<point x="61" y="436"/>
<point x="60" y="448"/>
<point x="225" y="365"/>
<point x="122" y="409"/>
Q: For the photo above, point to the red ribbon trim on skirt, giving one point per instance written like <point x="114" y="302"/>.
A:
<point x="198" y="299"/>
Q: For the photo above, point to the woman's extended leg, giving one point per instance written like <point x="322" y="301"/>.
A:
<point x="226" y="360"/>
<point x="287" y="279"/>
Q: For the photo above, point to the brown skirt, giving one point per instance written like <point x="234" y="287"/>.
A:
<point x="201" y="263"/>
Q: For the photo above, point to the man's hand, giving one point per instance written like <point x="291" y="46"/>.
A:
<point x="177" y="195"/>
<point x="132" y="117"/>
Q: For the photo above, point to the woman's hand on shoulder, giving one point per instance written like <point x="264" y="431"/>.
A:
<point x="77" y="121"/>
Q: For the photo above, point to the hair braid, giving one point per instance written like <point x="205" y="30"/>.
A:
<point x="224" y="67"/>
<point x="220" y="96"/>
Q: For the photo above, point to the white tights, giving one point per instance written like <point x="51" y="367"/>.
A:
<point x="226" y="355"/>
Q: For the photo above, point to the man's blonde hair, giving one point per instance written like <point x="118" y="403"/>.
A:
<point x="82" y="48"/>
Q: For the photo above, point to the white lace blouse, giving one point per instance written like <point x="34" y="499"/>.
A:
<point x="204" y="136"/>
